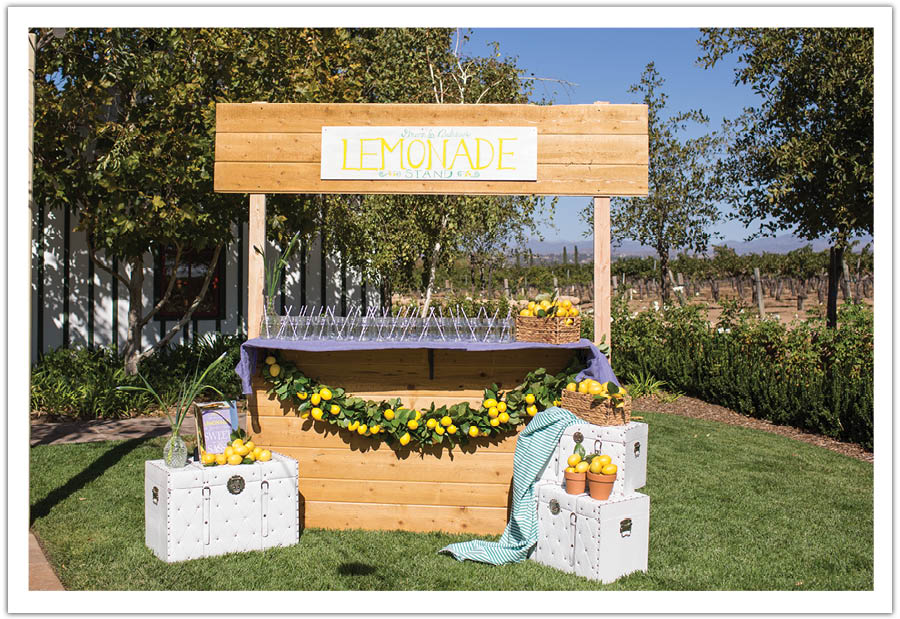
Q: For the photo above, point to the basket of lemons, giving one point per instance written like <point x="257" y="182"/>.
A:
<point x="602" y="404"/>
<point x="548" y="321"/>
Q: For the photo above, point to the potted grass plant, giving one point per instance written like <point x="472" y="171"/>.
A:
<point x="272" y="274"/>
<point x="175" y="450"/>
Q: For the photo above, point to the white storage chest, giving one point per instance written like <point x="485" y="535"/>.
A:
<point x="626" y="445"/>
<point x="600" y="540"/>
<point x="199" y="511"/>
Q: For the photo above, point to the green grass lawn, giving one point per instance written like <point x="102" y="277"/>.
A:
<point x="731" y="509"/>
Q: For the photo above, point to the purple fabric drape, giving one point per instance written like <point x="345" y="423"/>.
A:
<point x="598" y="366"/>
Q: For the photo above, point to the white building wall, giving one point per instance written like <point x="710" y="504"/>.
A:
<point x="55" y="319"/>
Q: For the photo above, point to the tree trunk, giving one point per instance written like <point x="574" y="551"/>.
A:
<point x="778" y="287"/>
<point x="663" y="275"/>
<point x="434" y="258"/>
<point x="801" y="294"/>
<point x="714" y="289"/>
<point x="131" y="353"/>
<point x="836" y="258"/>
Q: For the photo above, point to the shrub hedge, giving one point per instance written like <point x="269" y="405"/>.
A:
<point x="801" y="374"/>
<point x="81" y="383"/>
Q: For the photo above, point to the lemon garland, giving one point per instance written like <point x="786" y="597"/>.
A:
<point x="500" y="412"/>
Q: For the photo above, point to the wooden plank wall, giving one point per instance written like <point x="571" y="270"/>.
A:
<point x="349" y="481"/>
<point x="585" y="150"/>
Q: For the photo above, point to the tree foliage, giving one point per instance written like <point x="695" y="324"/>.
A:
<point x="802" y="160"/>
<point x="682" y="199"/>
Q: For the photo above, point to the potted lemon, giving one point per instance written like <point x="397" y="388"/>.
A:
<point x="601" y="476"/>
<point x="576" y="471"/>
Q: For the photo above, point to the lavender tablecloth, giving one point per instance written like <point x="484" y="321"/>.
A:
<point x="597" y="364"/>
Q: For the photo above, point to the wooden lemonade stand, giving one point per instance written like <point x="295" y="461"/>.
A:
<point x="350" y="481"/>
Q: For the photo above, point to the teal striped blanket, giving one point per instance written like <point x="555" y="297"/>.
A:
<point x="533" y="450"/>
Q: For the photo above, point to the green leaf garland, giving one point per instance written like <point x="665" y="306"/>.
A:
<point x="400" y="426"/>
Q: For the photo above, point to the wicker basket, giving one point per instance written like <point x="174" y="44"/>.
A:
<point x="547" y="330"/>
<point x="597" y="412"/>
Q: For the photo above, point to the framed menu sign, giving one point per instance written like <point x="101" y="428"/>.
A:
<point x="215" y="423"/>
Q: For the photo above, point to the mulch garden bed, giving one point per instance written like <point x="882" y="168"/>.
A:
<point x="698" y="409"/>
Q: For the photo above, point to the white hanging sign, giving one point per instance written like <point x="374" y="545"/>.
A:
<point x="430" y="153"/>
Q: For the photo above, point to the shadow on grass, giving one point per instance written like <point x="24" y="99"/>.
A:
<point x="355" y="569"/>
<point x="79" y="481"/>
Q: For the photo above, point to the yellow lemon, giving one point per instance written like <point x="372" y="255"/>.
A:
<point x="525" y="312"/>
<point x="404" y="439"/>
<point x="207" y="458"/>
<point x="573" y="311"/>
<point x="583" y="387"/>
<point x="582" y="467"/>
<point x="440" y="430"/>
<point x="451" y="429"/>
<point x="571" y="387"/>
<point x="256" y="451"/>
<point x="325" y="392"/>
<point x="531" y="305"/>
<point x="561" y="312"/>
<point x="317" y="413"/>
<point x="570" y="322"/>
<point x="237" y="443"/>
<point x="596" y="465"/>
<point x="353" y="425"/>
<point x="573" y="460"/>
<point x="362" y="429"/>
<point x="274" y="370"/>
<point x="431" y="423"/>
<point x="529" y="398"/>
<point x="250" y="445"/>
<point x="493" y="411"/>
<point x="446" y="421"/>
<point x="501" y="406"/>
<point x="570" y="469"/>
<point x="335" y="409"/>
<point x="489" y="403"/>
<point x="229" y="451"/>
<point x="242" y="451"/>
<point x="595" y="389"/>
<point x="389" y="414"/>
<point x="412" y="424"/>
<point x="531" y="410"/>
<point x="265" y="455"/>
<point x="315" y="399"/>
<point x="495" y="422"/>
<point x="375" y="429"/>
<point x="221" y="459"/>
<point x="566" y="303"/>
<point x="503" y="417"/>
<point x="545" y="304"/>
<point x="235" y="459"/>
<point x="270" y="360"/>
<point x="603" y="460"/>
<point x="251" y="457"/>
<point x="418" y="415"/>
<point x="557" y="402"/>
<point x="473" y="431"/>
<point x="609" y="469"/>
<point x="302" y="395"/>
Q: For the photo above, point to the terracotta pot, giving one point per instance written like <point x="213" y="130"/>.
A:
<point x="575" y="483"/>
<point x="600" y="485"/>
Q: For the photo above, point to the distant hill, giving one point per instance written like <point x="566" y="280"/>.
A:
<point x="778" y="244"/>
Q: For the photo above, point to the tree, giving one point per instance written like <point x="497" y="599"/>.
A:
<point x="124" y="135"/>
<point x="682" y="199"/>
<point x="803" y="160"/>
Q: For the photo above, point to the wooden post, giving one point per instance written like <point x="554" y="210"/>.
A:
<point x="255" y="264"/>
<point x="601" y="271"/>
<point x="757" y="282"/>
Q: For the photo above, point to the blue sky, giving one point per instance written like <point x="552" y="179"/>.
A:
<point x="604" y="63"/>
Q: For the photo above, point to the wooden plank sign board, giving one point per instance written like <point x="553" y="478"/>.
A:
<point x="582" y="150"/>
<point x="412" y="153"/>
